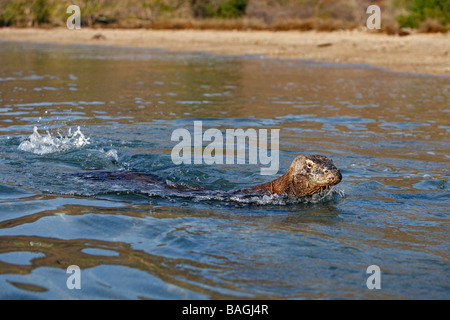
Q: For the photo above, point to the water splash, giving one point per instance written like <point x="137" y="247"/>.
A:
<point x="242" y="198"/>
<point x="111" y="154"/>
<point x="42" y="145"/>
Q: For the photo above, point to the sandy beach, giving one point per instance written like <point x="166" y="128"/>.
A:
<point x="418" y="53"/>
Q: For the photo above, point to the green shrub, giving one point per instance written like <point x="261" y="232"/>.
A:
<point x="24" y="13"/>
<point x="219" y="8"/>
<point x="421" y="10"/>
<point x="232" y="8"/>
<point x="10" y="13"/>
<point x="41" y="11"/>
<point x="202" y="8"/>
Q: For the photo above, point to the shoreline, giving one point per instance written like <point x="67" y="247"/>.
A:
<point x="416" y="53"/>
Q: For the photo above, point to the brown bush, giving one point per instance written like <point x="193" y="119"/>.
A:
<point x="332" y="25"/>
<point x="210" y="24"/>
<point x="390" y="27"/>
<point x="292" y="24"/>
<point x="432" y="26"/>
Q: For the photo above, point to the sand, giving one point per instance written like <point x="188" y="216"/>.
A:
<point x="417" y="53"/>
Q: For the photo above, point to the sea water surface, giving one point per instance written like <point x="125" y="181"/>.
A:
<point x="71" y="109"/>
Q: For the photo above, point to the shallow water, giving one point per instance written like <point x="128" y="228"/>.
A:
<point x="115" y="109"/>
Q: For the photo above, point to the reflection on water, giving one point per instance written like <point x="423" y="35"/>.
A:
<point x="387" y="132"/>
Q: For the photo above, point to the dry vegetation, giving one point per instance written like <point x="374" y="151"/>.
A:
<point x="275" y="15"/>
